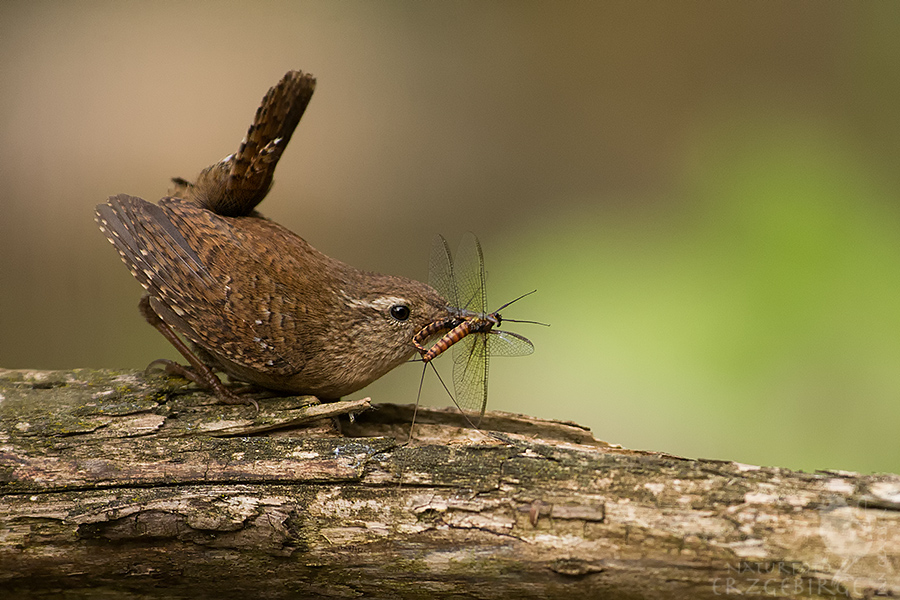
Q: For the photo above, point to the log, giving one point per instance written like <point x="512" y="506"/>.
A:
<point x="117" y="484"/>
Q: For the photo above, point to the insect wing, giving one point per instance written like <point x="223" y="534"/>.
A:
<point x="440" y="271"/>
<point x="470" y="372"/>
<point x="469" y="273"/>
<point x="462" y="284"/>
<point x="507" y="343"/>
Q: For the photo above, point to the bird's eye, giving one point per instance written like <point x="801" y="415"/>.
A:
<point x="400" y="312"/>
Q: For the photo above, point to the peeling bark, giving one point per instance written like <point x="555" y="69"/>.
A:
<point x="117" y="485"/>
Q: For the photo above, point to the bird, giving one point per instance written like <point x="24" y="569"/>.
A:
<point x="237" y="293"/>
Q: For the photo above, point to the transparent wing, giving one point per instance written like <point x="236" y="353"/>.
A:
<point x="470" y="372"/>
<point x="507" y="343"/>
<point x="469" y="273"/>
<point x="440" y="271"/>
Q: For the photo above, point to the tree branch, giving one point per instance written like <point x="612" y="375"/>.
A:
<point x="119" y="485"/>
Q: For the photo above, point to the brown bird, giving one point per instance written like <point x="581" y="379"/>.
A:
<point x="253" y="299"/>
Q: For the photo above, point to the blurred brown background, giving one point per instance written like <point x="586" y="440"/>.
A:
<point x="705" y="194"/>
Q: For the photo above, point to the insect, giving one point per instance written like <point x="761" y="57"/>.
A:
<point x="470" y="330"/>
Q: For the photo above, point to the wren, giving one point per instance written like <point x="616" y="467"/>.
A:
<point x="251" y="298"/>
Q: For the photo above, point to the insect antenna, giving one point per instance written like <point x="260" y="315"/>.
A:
<point x="516" y="300"/>
<point x="521" y="321"/>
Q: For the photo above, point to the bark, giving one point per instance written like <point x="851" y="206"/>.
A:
<point x="117" y="485"/>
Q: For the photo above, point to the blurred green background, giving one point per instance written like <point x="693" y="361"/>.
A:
<point x="705" y="194"/>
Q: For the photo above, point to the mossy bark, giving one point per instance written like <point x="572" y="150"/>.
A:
<point x="117" y="485"/>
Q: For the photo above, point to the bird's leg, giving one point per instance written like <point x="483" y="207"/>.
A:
<point x="199" y="372"/>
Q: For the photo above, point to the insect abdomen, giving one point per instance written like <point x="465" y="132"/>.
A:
<point x="450" y="338"/>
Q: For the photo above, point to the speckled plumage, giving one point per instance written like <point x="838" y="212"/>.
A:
<point x="255" y="300"/>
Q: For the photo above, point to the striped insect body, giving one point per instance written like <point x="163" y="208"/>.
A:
<point x="471" y="331"/>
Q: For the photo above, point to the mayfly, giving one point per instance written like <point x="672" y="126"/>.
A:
<point x="471" y="329"/>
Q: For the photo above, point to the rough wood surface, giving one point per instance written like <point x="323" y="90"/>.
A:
<point x="117" y="485"/>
